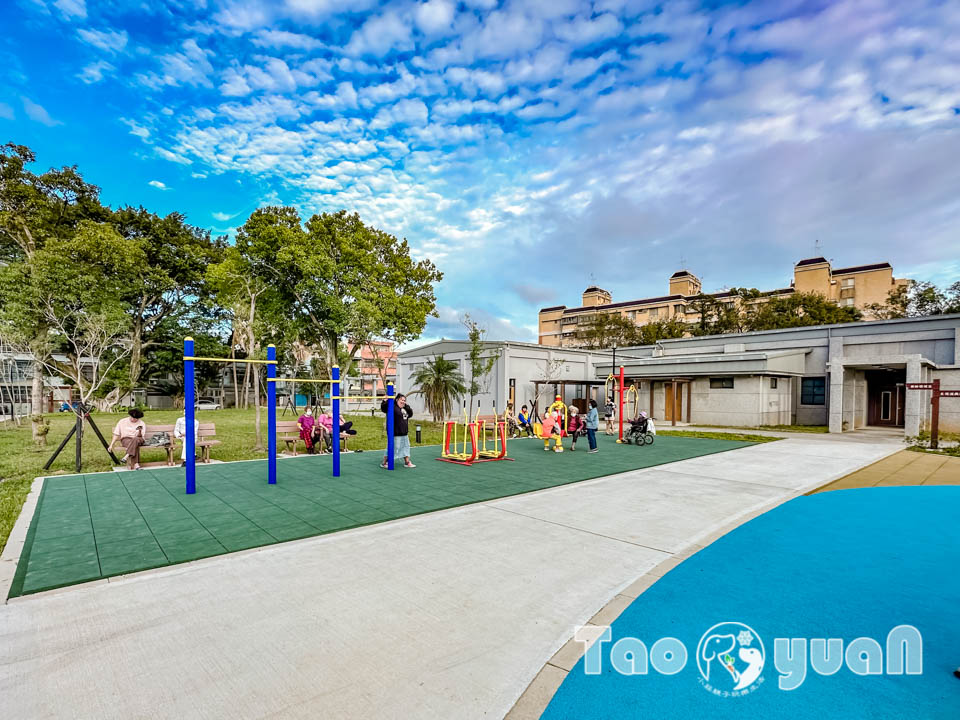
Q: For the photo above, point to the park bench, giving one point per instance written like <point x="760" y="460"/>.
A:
<point x="206" y="440"/>
<point x="289" y="433"/>
<point x="169" y="446"/>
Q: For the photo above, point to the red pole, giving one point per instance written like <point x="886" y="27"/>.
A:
<point x="620" y="440"/>
<point x="935" y="411"/>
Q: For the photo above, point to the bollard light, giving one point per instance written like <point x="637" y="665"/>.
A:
<point x="418" y="434"/>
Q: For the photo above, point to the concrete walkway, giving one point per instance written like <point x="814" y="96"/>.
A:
<point x="448" y="615"/>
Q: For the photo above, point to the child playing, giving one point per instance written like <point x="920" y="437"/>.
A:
<point x="575" y="426"/>
<point x="608" y="411"/>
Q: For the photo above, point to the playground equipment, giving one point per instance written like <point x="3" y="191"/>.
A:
<point x="559" y="405"/>
<point x="450" y="452"/>
<point x="271" y="362"/>
<point x="455" y="440"/>
<point x="499" y="451"/>
<point x="618" y="382"/>
<point x="632" y="390"/>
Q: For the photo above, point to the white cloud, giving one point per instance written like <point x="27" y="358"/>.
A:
<point x="6" y="112"/>
<point x="72" y="8"/>
<point x="157" y="184"/>
<point x="110" y="40"/>
<point x="37" y="113"/>
<point x="191" y="66"/>
<point x="381" y="34"/>
<point x="405" y="112"/>
<point x="284" y="39"/>
<point x="94" y="72"/>
<point x="434" y="16"/>
<point x="222" y="216"/>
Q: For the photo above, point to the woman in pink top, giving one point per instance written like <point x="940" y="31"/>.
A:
<point x="129" y="432"/>
<point x="326" y="428"/>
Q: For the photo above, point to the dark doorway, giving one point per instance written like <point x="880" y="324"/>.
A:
<point x="885" y="397"/>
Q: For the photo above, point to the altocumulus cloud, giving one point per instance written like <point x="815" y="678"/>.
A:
<point x="532" y="148"/>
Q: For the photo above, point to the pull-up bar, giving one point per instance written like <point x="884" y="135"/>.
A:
<point x="272" y="380"/>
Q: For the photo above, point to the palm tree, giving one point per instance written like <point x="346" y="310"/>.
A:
<point x="441" y="384"/>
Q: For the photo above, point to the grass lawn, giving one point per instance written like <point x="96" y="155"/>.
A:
<point x="778" y="428"/>
<point x="742" y="437"/>
<point x="21" y="462"/>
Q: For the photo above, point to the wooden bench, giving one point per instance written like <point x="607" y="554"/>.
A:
<point x="206" y="440"/>
<point x="289" y="433"/>
<point x="170" y="447"/>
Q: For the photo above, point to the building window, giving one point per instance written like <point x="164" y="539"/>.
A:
<point x="813" y="391"/>
<point x="679" y="309"/>
<point x="773" y="383"/>
<point x="848" y="282"/>
<point x="653" y="312"/>
<point x="721" y="383"/>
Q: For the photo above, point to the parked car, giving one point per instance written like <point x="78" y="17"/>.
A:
<point x="207" y="403"/>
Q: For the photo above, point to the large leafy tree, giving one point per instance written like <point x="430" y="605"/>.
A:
<point x="167" y="286"/>
<point x="35" y="209"/>
<point x="606" y="330"/>
<point x="918" y="299"/>
<point x="249" y="300"/>
<point x="344" y="282"/>
<point x="799" y="310"/>
<point x="441" y="384"/>
<point x="73" y="288"/>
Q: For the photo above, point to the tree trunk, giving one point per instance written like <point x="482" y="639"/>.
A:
<point x="233" y="367"/>
<point x="255" y="372"/>
<point x="36" y="400"/>
<point x="246" y="386"/>
<point x="136" y="352"/>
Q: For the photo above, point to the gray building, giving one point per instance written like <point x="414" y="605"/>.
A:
<point x="846" y="376"/>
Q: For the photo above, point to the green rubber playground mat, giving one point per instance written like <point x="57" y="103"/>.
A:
<point x="87" y="527"/>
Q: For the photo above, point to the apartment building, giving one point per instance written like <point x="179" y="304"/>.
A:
<point x="857" y="286"/>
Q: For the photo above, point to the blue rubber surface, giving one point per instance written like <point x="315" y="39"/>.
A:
<point x="842" y="564"/>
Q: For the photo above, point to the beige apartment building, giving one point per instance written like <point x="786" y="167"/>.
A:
<point x="859" y="286"/>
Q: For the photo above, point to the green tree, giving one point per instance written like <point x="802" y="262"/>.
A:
<point x="917" y="299"/>
<point x="799" y="310"/>
<point x="343" y="282"/>
<point x="441" y="384"/>
<point x="168" y="284"/>
<point x="74" y="287"/>
<point x="248" y="298"/>
<point x="606" y="330"/>
<point x="480" y="364"/>
<point x="35" y="209"/>
<point x="660" y="330"/>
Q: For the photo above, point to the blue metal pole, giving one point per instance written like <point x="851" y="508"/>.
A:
<point x="391" y="405"/>
<point x="189" y="439"/>
<point x="271" y="417"/>
<point x="335" y="425"/>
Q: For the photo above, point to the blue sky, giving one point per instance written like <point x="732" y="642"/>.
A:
<point x="528" y="147"/>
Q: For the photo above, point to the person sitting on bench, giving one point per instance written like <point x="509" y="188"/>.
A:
<point x="524" y="420"/>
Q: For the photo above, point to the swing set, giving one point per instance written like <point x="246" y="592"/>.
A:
<point x="271" y="362"/>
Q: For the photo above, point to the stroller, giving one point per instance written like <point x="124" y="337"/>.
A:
<point x="641" y="431"/>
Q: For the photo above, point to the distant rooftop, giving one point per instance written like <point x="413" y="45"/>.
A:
<point x="811" y="261"/>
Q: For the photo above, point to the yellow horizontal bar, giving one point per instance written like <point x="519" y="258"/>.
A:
<point x="300" y="380"/>
<point x="232" y="360"/>
<point x="362" y="397"/>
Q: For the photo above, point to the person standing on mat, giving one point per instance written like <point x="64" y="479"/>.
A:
<point x="608" y="412"/>
<point x="401" y="439"/>
<point x="592" y="425"/>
